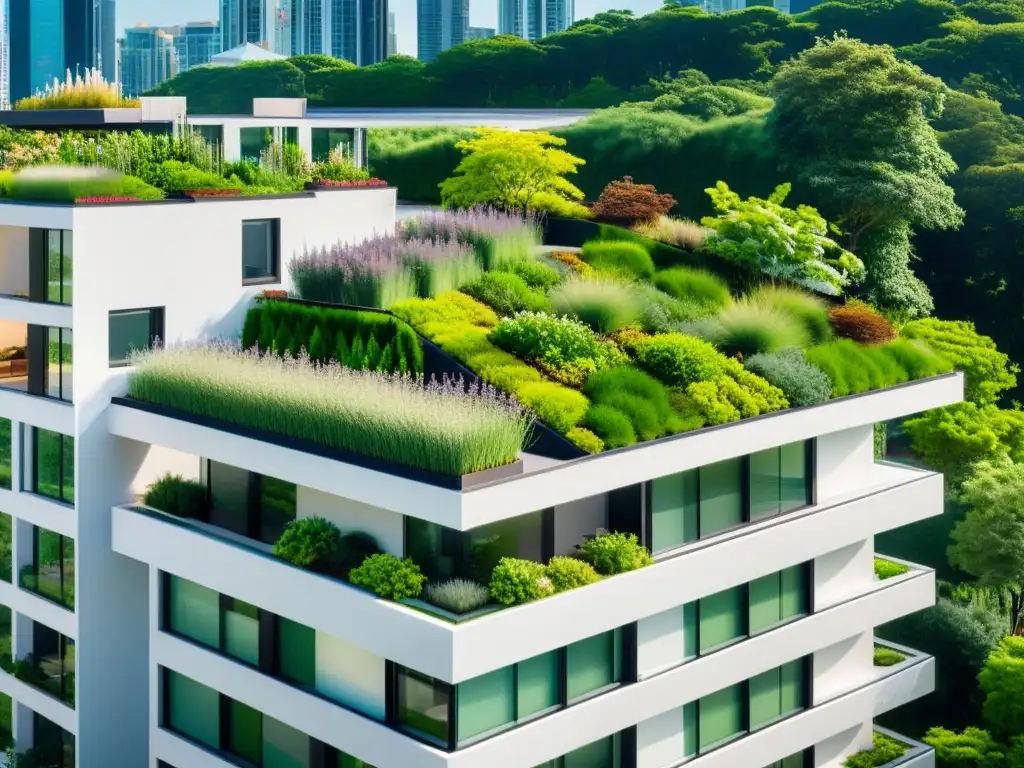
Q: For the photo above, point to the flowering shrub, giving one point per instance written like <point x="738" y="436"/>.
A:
<point x="572" y="261"/>
<point x="347" y="183"/>
<point x="625" y="203"/>
<point x="390" y="577"/>
<point x="271" y="294"/>
<point x="500" y="238"/>
<point x="212" y="192"/>
<point x="102" y="199"/>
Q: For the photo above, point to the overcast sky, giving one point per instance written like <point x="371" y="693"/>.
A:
<point x="483" y="13"/>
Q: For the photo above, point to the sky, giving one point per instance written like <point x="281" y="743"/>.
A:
<point x="483" y="13"/>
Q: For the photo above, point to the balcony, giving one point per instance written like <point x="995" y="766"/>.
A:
<point x="910" y="753"/>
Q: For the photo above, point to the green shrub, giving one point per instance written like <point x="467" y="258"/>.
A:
<point x="310" y="542"/>
<point x="987" y="371"/>
<point x="133" y="187"/>
<point x="887" y="657"/>
<point x="611" y="425"/>
<point x="885" y="750"/>
<point x="535" y="274"/>
<point x="887" y="569"/>
<point x="446" y="309"/>
<point x="811" y="311"/>
<point x="640" y="397"/>
<point x="619" y="257"/>
<point x="568" y="573"/>
<point x="177" y="496"/>
<point x="661" y="313"/>
<point x="390" y="577"/>
<point x="686" y="414"/>
<point x="918" y="359"/>
<point x="507" y="293"/>
<point x="748" y="329"/>
<point x="694" y="285"/>
<point x="973" y="748"/>
<point x="679" y="360"/>
<point x="854" y="368"/>
<point x="176" y="176"/>
<point x="353" y="549"/>
<point x="602" y="303"/>
<point x="612" y="553"/>
<point x="64" y="184"/>
<point x="585" y="440"/>
<point x="457" y="595"/>
<point x="515" y="582"/>
<point x="803" y="383"/>
<point x="559" y="407"/>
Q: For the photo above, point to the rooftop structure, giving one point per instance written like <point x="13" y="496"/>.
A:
<point x="243" y="53"/>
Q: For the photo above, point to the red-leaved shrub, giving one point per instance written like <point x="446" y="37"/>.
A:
<point x="625" y="203"/>
<point x="213" y="192"/>
<point x="861" y="324"/>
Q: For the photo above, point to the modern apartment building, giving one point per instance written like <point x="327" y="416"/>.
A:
<point x="440" y="24"/>
<point x="534" y="19"/>
<point x="149" y="55"/>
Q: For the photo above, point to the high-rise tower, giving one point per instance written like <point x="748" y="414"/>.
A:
<point x="440" y="24"/>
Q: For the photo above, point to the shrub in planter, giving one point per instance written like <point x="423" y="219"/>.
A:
<point x="619" y="257"/>
<point x="887" y="569"/>
<point x="624" y="203"/>
<point x="861" y="324"/>
<point x="885" y="750"/>
<point x="803" y="383"/>
<point x="176" y="176"/>
<point x="585" y="440"/>
<point x="694" y="285"/>
<point x="612" y="553"/>
<point x="390" y="577"/>
<point x="887" y="657"/>
<point x="310" y="542"/>
<point x="353" y="549"/>
<point x="177" y="496"/>
<point x="569" y="573"/>
<point x="507" y="293"/>
<point x="611" y="425"/>
<point x="515" y="581"/>
<point x="457" y="595"/>
<point x="678" y="359"/>
<point x="748" y="329"/>
<point x="140" y="190"/>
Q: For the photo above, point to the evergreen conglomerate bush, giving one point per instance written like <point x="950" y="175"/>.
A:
<point x="568" y="573"/>
<point x="695" y="285"/>
<point x="310" y="542"/>
<point x="390" y="577"/>
<point x="612" y="553"/>
<point x="603" y="303"/>
<point x="440" y="428"/>
<point x="507" y="293"/>
<point x="619" y="257"/>
<point x="515" y="581"/>
<point x="802" y="383"/>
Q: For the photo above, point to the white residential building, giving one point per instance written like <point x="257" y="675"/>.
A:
<point x="747" y="644"/>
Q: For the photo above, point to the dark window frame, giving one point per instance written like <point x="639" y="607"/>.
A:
<point x="39" y="267"/>
<point x="253" y="500"/>
<point x="157" y="320"/>
<point x="275" y="252"/>
<point x="61" y="540"/>
<point x="647" y="506"/>
<point x="37" y="354"/>
<point x="61" y="469"/>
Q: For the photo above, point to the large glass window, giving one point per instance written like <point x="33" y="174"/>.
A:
<point x="241" y="630"/>
<point x="799" y="760"/>
<point x="720" y="717"/>
<point x="283" y="746"/>
<point x="249" y="504"/>
<point x="59" y="375"/>
<point x="193" y="610"/>
<point x="6" y="648"/>
<point x="54" y="747"/>
<point x="486" y="703"/>
<point x="6" y="467"/>
<point x="53" y="465"/>
<point x="261" y="256"/>
<point x="538" y="684"/>
<point x="192" y="709"/>
<point x="445" y="553"/>
<point x="717" y="497"/>
<point x="51" y="574"/>
<point x="6" y="721"/>
<point x="59" y="263"/>
<point x="722" y="618"/>
<point x="593" y="664"/>
<point x="131" y="330"/>
<point x="296" y="652"/>
<point x="52" y="663"/>
<point x="328" y="140"/>
<point x="423" y="704"/>
<point x="252" y="142"/>
<point x="245" y="732"/>
<point x="603" y="753"/>
<point x="6" y="548"/>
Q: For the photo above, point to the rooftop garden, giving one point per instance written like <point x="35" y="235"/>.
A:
<point x="116" y="166"/>
<point x="89" y="91"/>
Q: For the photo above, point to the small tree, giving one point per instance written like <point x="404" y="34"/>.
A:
<point x="780" y="242"/>
<point x="624" y="203"/>
<point x="989" y="541"/>
<point x="517" y="171"/>
<point x="1002" y="680"/>
<point x="974" y="748"/>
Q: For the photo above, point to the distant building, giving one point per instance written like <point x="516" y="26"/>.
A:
<point x="356" y="30"/>
<point x="534" y="19"/>
<point x="48" y="37"/>
<point x="243" y="54"/>
<point x="266" y="23"/>
<point x="148" y="57"/>
<point x="5" y="77"/>
<point x="480" y="33"/>
<point x="106" y="59"/>
<point x="392" y="35"/>
<point x="196" y="43"/>
<point x="440" y="24"/>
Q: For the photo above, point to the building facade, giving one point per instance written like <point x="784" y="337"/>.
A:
<point x="534" y="19"/>
<point x="196" y="42"/>
<point x="355" y="30"/>
<point x="392" y="35"/>
<point x="440" y="24"/>
<point x="480" y="33"/>
<point x="149" y="55"/>
<point x="49" y="37"/>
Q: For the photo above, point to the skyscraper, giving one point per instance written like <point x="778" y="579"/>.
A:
<point x="107" y="43"/>
<point x="195" y="43"/>
<point x="5" y="76"/>
<point x="148" y="57"/>
<point x="534" y="19"/>
<point x="440" y="24"/>
<point x="392" y="35"/>
<point x="48" y="37"/>
<point x="356" y="30"/>
<point x="480" y="33"/>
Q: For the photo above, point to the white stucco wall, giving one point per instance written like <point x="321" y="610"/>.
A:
<point x="386" y="527"/>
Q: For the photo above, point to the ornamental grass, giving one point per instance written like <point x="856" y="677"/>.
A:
<point x="445" y="427"/>
<point x="78" y="92"/>
<point x="500" y="238"/>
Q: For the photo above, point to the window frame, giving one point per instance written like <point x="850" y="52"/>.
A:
<point x="254" y="520"/>
<point x="61" y="469"/>
<point x="61" y="549"/>
<point x="157" y="320"/>
<point x="275" y="252"/>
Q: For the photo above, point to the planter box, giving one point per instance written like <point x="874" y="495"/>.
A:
<point x="454" y="618"/>
<point x="313" y="186"/>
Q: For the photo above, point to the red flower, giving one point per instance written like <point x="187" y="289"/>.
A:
<point x="102" y="199"/>
<point x="212" y="192"/>
<point x="354" y="183"/>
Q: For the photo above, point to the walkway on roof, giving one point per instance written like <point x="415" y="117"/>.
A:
<point x="400" y="117"/>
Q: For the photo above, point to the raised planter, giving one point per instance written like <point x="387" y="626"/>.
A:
<point x="462" y="483"/>
<point x="321" y="186"/>
<point x="454" y="618"/>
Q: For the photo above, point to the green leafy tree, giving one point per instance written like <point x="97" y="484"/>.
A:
<point x="515" y="170"/>
<point x="230" y="90"/>
<point x="1002" y="680"/>
<point x="953" y="438"/>
<point x="974" y="748"/>
<point x="851" y="122"/>
<point x="989" y="542"/>
<point x="785" y="243"/>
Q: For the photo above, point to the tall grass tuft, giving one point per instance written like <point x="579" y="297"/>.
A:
<point x="682" y="233"/>
<point x="443" y="427"/>
<point x="457" y="595"/>
<point x="748" y="329"/>
<point x="808" y="309"/>
<point x="78" y="92"/>
<point x="500" y="238"/>
<point x="602" y="303"/>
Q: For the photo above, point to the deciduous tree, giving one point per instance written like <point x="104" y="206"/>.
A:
<point x="1002" y="680"/>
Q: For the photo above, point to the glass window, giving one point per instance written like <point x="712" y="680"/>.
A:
<point x="795" y="475"/>
<point x="193" y="709"/>
<point x="599" y="754"/>
<point x="133" y="330"/>
<point x="296" y="652"/>
<point x="347" y="761"/>
<point x="327" y="140"/>
<point x="242" y="631"/>
<point x="59" y="373"/>
<point x="764" y="484"/>
<point x="277" y="507"/>
<point x="722" y="618"/>
<point x="592" y="664"/>
<point x="720" y="717"/>
<point x="260" y="256"/>
<point x="6" y="721"/>
<point x="252" y="142"/>
<point x="690" y="630"/>
<point x="486" y="702"/>
<point x="6" y="467"/>
<point x="53" y="465"/>
<point x="793" y="688"/>
<point x="765" y="698"/>
<point x="423" y="704"/>
<point x="795" y="595"/>
<point x="245" y="729"/>
<point x="765" y="602"/>
<point x="51" y="574"/>
<point x="6" y="654"/>
<point x="283" y="746"/>
<point x="673" y="510"/>
<point x="229" y="497"/>
<point x="721" y="496"/>
<point x="690" y="729"/>
<point x="538" y="684"/>
<point x="53" y="746"/>
<point x="59" y="252"/>
<point x="6" y="548"/>
<point x="194" y="611"/>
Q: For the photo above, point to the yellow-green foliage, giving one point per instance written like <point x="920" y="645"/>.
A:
<point x="585" y="440"/>
<point x="855" y="368"/>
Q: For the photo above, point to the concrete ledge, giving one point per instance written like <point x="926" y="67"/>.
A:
<point x="39" y="701"/>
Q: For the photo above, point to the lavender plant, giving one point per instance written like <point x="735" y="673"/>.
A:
<point x="445" y="426"/>
<point x="500" y="238"/>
